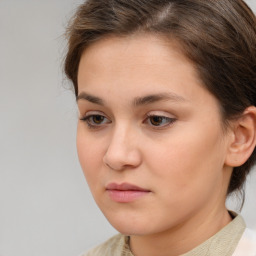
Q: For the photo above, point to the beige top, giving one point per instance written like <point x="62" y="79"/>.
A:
<point x="223" y="243"/>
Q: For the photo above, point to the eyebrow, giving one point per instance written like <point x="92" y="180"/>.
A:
<point x="138" y="101"/>
<point x="152" y="98"/>
<point x="90" y="98"/>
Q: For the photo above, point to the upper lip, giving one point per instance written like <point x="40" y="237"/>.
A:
<point x="125" y="187"/>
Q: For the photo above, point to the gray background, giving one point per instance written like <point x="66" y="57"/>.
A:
<point x="45" y="206"/>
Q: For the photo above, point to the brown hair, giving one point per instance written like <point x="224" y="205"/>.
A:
<point x="219" y="36"/>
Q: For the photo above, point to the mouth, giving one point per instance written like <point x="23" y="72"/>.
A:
<point x="125" y="192"/>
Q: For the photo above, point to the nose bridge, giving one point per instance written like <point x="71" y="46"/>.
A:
<point x="123" y="134"/>
<point x="123" y="149"/>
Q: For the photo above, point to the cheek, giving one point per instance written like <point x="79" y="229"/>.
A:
<point x="186" y="179"/>
<point x="188" y="159"/>
<point x="90" y="154"/>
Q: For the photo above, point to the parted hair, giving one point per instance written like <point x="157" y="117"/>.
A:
<point x="218" y="36"/>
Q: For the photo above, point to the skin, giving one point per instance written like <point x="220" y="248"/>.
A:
<point x="182" y="160"/>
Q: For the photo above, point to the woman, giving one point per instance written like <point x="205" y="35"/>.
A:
<point x="166" y="92"/>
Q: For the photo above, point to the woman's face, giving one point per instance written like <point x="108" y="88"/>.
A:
<point x="150" y="139"/>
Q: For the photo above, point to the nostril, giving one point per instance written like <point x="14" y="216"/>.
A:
<point x="122" y="151"/>
<point x="119" y="162"/>
<point x="109" y="166"/>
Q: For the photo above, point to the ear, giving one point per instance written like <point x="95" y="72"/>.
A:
<point x="243" y="138"/>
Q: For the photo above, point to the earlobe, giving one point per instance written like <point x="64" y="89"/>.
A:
<point x="243" y="139"/>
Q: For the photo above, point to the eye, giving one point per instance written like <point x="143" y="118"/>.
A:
<point x="95" y="120"/>
<point x="159" y="121"/>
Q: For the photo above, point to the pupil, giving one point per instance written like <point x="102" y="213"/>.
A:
<point x="156" y="120"/>
<point x="98" y="119"/>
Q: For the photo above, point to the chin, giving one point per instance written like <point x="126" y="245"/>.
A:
<point x="131" y="226"/>
<point x="130" y="230"/>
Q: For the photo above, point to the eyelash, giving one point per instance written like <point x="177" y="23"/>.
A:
<point x="91" y="124"/>
<point x="86" y="119"/>
<point x="169" y="120"/>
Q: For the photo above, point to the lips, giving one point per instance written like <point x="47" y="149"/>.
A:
<point x="124" y="187"/>
<point x="125" y="192"/>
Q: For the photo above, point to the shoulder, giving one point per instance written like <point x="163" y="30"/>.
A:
<point x="115" y="246"/>
<point x="247" y="244"/>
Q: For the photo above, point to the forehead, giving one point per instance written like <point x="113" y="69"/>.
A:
<point x="120" y="69"/>
<point x="147" y="47"/>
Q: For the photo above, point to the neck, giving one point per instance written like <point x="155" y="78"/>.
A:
<point x="182" y="238"/>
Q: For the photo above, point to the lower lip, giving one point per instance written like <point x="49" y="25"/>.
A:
<point x="126" y="196"/>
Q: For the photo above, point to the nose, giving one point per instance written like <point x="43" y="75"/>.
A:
<point x="123" y="150"/>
